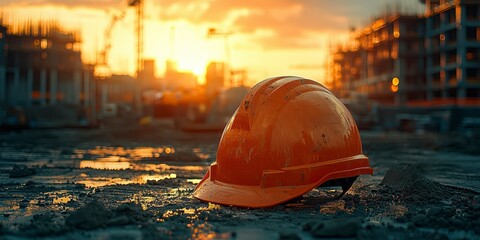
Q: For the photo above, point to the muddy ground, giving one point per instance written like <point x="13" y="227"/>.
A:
<point x="129" y="182"/>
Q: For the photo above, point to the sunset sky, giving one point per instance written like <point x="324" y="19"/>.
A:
<point x="268" y="38"/>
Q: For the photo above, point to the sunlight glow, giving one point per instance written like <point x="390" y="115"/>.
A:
<point x="188" y="45"/>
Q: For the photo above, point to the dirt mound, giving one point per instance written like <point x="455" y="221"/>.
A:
<point x="91" y="216"/>
<point x="21" y="171"/>
<point x="129" y="213"/>
<point x="430" y="204"/>
<point x="95" y="215"/>
<point x="44" y="224"/>
<point x="409" y="183"/>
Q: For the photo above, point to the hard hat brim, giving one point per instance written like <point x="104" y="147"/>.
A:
<point x="261" y="197"/>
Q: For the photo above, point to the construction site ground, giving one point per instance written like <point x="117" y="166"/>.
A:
<point x="124" y="181"/>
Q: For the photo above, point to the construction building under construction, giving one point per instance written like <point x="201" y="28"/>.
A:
<point x="41" y="68"/>
<point x="420" y="69"/>
<point x="452" y="37"/>
<point x="390" y="48"/>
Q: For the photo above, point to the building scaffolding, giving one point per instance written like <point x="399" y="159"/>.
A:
<point x="410" y="59"/>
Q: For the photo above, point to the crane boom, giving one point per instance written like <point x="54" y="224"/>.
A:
<point x="108" y="38"/>
<point x="138" y="4"/>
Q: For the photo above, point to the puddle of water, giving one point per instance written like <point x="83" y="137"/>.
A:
<point x="198" y="152"/>
<point x="112" y="159"/>
<point x="59" y="200"/>
<point x="102" y="165"/>
<point x="169" y="150"/>
<point x="164" y="167"/>
<point x="194" y="180"/>
<point x="106" y="159"/>
<point x="105" y="181"/>
<point x="167" y="214"/>
<point x="134" y="153"/>
<point x="189" y="211"/>
<point x="144" y="178"/>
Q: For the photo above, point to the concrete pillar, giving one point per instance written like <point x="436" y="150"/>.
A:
<point x="138" y="97"/>
<point x="43" y="87"/>
<point x="461" y="53"/>
<point x="29" y="86"/>
<point x="64" y="88"/>
<point x="428" y="54"/>
<point x="76" y="87"/>
<point x="15" y="94"/>
<point x="3" y="83"/>
<point x="104" y="94"/>
<point x="53" y="86"/>
<point x="23" y="90"/>
<point x="86" y="88"/>
<point x="93" y="89"/>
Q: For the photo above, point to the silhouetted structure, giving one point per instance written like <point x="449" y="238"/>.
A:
<point x="452" y="40"/>
<point x="389" y="48"/>
<point x="214" y="78"/>
<point x="41" y="65"/>
<point x="418" y="68"/>
<point x="146" y="76"/>
<point x="116" y="95"/>
<point x="175" y="79"/>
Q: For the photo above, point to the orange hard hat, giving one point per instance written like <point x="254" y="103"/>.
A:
<point x="288" y="136"/>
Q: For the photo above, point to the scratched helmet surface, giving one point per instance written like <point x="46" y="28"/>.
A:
<point x="288" y="136"/>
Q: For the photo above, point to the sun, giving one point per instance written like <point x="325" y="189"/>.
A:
<point x="183" y="43"/>
<point x="196" y="66"/>
<point x="193" y="55"/>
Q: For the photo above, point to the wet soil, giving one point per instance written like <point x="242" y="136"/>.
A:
<point x="121" y="182"/>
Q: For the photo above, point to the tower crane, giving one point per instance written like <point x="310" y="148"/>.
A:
<point x="108" y="38"/>
<point x="236" y="77"/>
<point x="103" y="68"/>
<point x="138" y="4"/>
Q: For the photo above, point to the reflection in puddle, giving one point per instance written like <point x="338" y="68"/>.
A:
<point x="134" y="153"/>
<point x="211" y="206"/>
<point x="142" y="179"/>
<point x="59" y="200"/>
<point x="164" y="167"/>
<point x="112" y="159"/>
<point x="169" y="150"/>
<point x="104" y="165"/>
<point x="130" y="160"/>
<point x="191" y="211"/>
<point x="188" y="211"/>
<point x="203" y="156"/>
<point x="199" y="231"/>
<point x="104" y="181"/>
<point x="194" y="180"/>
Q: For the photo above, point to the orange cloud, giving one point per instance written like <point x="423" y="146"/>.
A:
<point x="70" y="3"/>
<point x="290" y="20"/>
